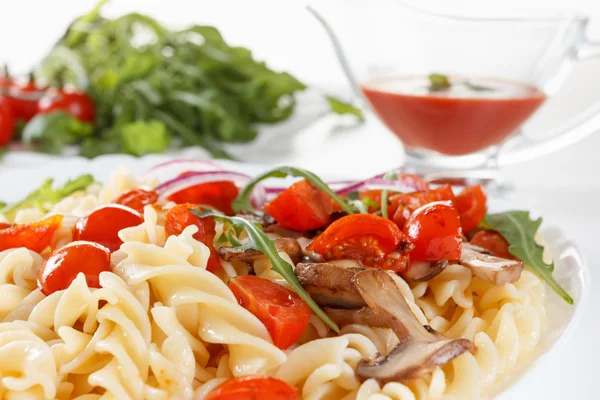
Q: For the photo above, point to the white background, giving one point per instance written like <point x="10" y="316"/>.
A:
<point x="564" y="186"/>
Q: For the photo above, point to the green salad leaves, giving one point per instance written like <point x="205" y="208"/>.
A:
<point x="519" y="230"/>
<point x="50" y="133"/>
<point x="156" y="87"/>
<point x="258" y="240"/>
<point x="46" y="196"/>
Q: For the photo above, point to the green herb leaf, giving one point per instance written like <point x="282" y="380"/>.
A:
<point x="384" y="194"/>
<point x="519" y="230"/>
<point x="478" y="88"/>
<point x="45" y="196"/>
<point x="50" y="133"/>
<point x="242" y="201"/>
<point x="438" y="82"/>
<point x="367" y="201"/>
<point x="360" y="206"/>
<point x="143" y="137"/>
<point x="258" y="240"/>
<point x="340" y="107"/>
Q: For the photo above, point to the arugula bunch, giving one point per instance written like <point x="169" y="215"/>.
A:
<point x="155" y="87"/>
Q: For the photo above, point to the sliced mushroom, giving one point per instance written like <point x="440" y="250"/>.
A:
<point x="287" y="245"/>
<point x="330" y="284"/>
<point x="410" y="359"/>
<point x="365" y="316"/>
<point x="496" y="270"/>
<point x="424" y="271"/>
<point x="423" y="348"/>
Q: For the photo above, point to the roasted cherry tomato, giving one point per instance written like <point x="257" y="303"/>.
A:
<point x="254" y="388"/>
<point x="405" y="204"/>
<point x="471" y="204"/>
<point x="23" y="99"/>
<point x="103" y="225"/>
<point x="435" y="231"/>
<point x="180" y="217"/>
<point x="7" y="122"/>
<point x="35" y="237"/>
<point x="63" y="265"/>
<point x="374" y="240"/>
<point x="137" y="199"/>
<point x="282" y="311"/>
<point x="492" y="241"/>
<point x="217" y="195"/>
<point x="78" y="104"/>
<point x="302" y="207"/>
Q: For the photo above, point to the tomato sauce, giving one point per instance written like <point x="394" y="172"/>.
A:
<point x="469" y="116"/>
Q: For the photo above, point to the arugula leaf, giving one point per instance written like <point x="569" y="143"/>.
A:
<point x="52" y="132"/>
<point x="339" y="107"/>
<point x="242" y="201"/>
<point x="384" y="194"/>
<point x="438" y="82"/>
<point x="258" y="240"/>
<point x="45" y="195"/>
<point x="519" y="230"/>
<point x="143" y="137"/>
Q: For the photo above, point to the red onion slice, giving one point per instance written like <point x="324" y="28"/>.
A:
<point x="179" y="183"/>
<point x="170" y="169"/>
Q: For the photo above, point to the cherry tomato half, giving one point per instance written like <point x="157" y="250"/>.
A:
<point x="180" y="217"/>
<point x="471" y="204"/>
<point x="78" y="104"/>
<point x="302" y="207"/>
<point x="103" y="225"/>
<point x="494" y="242"/>
<point x="374" y="240"/>
<point x="405" y="204"/>
<point x="7" y="122"/>
<point x="254" y="388"/>
<point x="35" y="237"/>
<point x="63" y="265"/>
<point x="435" y="231"/>
<point x="137" y="199"/>
<point x="282" y="311"/>
<point x="217" y="195"/>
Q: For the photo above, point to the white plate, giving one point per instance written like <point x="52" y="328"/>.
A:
<point x="571" y="270"/>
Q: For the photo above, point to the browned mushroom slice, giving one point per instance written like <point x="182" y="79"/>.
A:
<point x="330" y="284"/>
<point x="424" y="271"/>
<point x="364" y="316"/>
<point x="496" y="270"/>
<point x="423" y="349"/>
<point x="410" y="359"/>
<point x="287" y="245"/>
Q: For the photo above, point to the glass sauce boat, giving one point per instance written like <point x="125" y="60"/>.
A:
<point x="456" y="89"/>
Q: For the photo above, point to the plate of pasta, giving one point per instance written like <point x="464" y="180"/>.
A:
<point x="198" y="280"/>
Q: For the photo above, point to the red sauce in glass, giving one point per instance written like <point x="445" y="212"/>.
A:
<point x="456" y="121"/>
